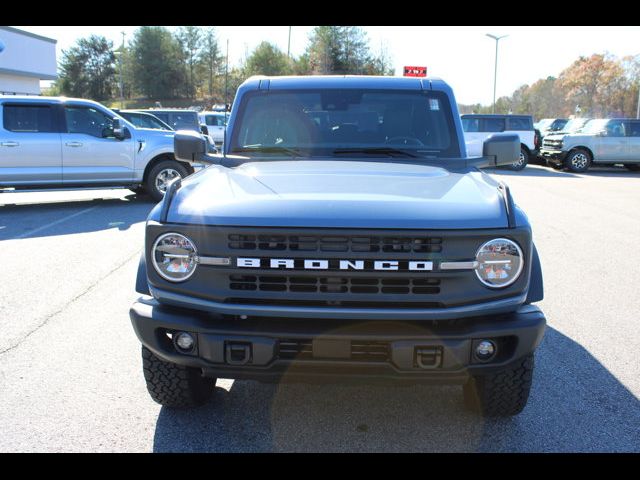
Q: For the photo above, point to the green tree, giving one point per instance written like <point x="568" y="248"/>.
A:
<point x="88" y="69"/>
<point x="267" y="59"/>
<point x="190" y="40"/>
<point x="339" y="50"/>
<point x="157" y="65"/>
<point x="300" y="65"/>
<point x="210" y="59"/>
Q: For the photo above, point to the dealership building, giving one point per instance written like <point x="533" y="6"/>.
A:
<point x="25" y="59"/>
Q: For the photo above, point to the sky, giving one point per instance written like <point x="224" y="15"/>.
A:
<point x="462" y="56"/>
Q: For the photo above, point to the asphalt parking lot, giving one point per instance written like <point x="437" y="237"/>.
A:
<point x="70" y="368"/>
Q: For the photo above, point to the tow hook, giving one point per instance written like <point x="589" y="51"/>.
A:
<point x="237" y="353"/>
<point x="428" y="357"/>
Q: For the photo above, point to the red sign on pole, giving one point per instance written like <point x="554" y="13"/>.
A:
<point x="415" y="71"/>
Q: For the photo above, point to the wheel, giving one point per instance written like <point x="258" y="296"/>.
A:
<point x="174" y="385"/>
<point x="522" y="161"/>
<point x="634" y="167"/>
<point x="161" y="175"/>
<point x="578" y="161"/>
<point x="501" y="394"/>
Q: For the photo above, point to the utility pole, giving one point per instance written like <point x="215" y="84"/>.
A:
<point x="121" y="68"/>
<point x="495" y="71"/>
<point x="226" y="80"/>
<point x="289" y="44"/>
<point x="638" y="107"/>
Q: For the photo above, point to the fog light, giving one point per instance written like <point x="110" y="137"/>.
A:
<point x="184" y="341"/>
<point x="485" y="350"/>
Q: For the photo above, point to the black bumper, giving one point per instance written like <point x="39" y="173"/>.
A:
<point x="555" y="157"/>
<point x="276" y="349"/>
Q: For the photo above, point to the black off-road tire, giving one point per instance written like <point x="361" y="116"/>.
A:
<point x="522" y="162"/>
<point x="150" y="183"/>
<point x="502" y="394"/>
<point x="633" y="167"/>
<point x="578" y="161"/>
<point x="174" y="385"/>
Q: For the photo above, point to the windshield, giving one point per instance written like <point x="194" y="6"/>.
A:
<point x="337" y="122"/>
<point x="595" y="126"/>
<point x="544" y="123"/>
<point x="575" y="124"/>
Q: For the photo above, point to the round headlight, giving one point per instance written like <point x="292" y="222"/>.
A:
<point x="500" y="262"/>
<point x="174" y="257"/>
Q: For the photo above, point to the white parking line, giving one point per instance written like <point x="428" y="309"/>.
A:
<point x="48" y="225"/>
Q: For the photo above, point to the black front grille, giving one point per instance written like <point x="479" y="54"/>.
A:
<point x="332" y="303"/>
<point x="361" y="350"/>
<point x="313" y="243"/>
<point x="333" y="285"/>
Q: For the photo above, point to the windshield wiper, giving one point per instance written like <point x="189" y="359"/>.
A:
<point x="269" y="149"/>
<point x="392" y="152"/>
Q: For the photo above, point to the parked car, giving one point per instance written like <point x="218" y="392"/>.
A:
<point x="216" y="122"/>
<point x="477" y="128"/>
<point x="363" y="246"/>
<point x="54" y="142"/>
<point x="600" y="141"/>
<point x="143" y="119"/>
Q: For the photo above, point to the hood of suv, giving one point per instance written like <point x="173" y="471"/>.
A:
<point x="339" y="194"/>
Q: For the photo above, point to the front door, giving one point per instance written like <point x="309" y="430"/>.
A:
<point x="30" y="145"/>
<point x="90" y="152"/>
<point x="613" y="144"/>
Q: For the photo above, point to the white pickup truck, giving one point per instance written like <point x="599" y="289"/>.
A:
<point x="477" y="128"/>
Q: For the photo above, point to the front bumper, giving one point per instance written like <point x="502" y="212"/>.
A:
<point x="553" y="156"/>
<point x="278" y="349"/>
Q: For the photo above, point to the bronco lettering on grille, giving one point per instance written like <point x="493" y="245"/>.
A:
<point x="335" y="264"/>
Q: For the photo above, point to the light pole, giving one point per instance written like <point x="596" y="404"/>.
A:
<point x="495" y="72"/>
<point x="289" y="44"/>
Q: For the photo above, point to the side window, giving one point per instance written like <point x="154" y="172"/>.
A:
<point x="89" y="121"/>
<point x="471" y="124"/>
<point x="493" y="125"/>
<point x="211" y="120"/>
<point x="516" y="123"/>
<point x="634" y="131"/>
<point x="615" y="128"/>
<point x="162" y="116"/>
<point x="28" y="118"/>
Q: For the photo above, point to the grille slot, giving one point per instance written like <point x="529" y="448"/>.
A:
<point x="361" y="350"/>
<point x="313" y="243"/>
<point x="281" y="283"/>
<point x="295" y="348"/>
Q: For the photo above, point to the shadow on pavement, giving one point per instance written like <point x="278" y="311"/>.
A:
<point x="31" y="220"/>
<point x="543" y="171"/>
<point x="576" y="404"/>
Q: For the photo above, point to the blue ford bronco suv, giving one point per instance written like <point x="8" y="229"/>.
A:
<point x="342" y="233"/>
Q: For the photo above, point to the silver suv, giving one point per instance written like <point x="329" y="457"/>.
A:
<point x="600" y="142"/>
<point x="52" y="142"/>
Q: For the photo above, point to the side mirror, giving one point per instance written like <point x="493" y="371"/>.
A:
<point x="204" y="129"/>
<point x="501" y="149"/>
<point x="601" y="133"/>
<point x="192" y="147"/>
<point x="118" y="129"/>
